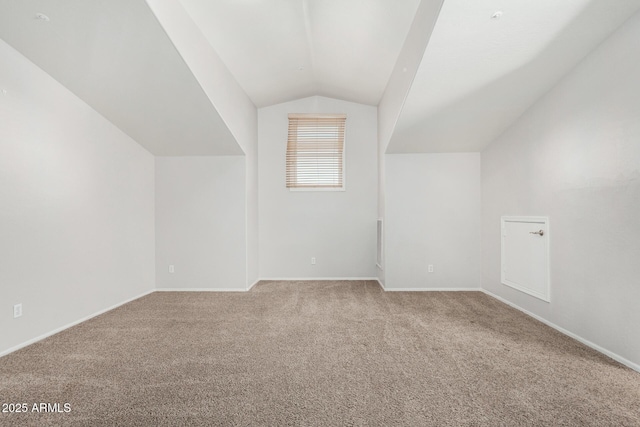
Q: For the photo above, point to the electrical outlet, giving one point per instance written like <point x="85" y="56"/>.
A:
<point x="430" y="268"/>
<point x="313" y="260"/>
<point x="17" y="310"/>
<point x="172" y="269"/>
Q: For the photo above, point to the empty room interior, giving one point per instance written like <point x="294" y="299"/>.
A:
<point x="320" y="212"/>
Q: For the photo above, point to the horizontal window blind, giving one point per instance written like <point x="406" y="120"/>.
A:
<point x="315" y="151"/>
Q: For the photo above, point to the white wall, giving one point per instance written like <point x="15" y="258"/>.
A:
<point x="336" y="227"/>
<point x="406" y="67"/>
<point x="200" y="223"/>
<point x="397" y="89"/>
<point x="433" y="217"/>
<point x="575" y="156"/>
<point x="76" y="207"/>
<point x="231" y="102"/>
<point x="252" y="216"/>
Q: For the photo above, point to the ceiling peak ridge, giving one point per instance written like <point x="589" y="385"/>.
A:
<point x="309" y="37"/>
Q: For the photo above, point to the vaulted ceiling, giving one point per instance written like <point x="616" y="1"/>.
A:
<point x="281" y="50"/>
<point x="114" y="55"/>
<point x="477" y="75"/>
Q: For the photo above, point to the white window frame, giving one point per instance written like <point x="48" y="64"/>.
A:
<point x="343" y="159"/>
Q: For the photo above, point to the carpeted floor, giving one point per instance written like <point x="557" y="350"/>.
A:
<point x="317" y="353"/>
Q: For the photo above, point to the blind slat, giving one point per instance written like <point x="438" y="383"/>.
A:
<point x="315" y="151"/>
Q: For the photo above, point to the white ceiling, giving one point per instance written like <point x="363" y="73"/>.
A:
<point x="476" y="77"/>
<point x="115" y="56"/>
<point x="479" y="74"/>
<point x="346" y="48"/>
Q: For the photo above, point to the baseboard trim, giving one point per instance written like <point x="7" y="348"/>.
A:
<point x="614" y="356"/>
<point x="67" y="326"/>
<point x="381" y="284"/>
<point x="200" y="290"/>
<point x="307" y="279"/>
<point x="431" y="289"/>
<point x="254" y="283"/>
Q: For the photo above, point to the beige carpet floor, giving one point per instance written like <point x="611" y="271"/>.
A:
<point x="318" y="353"/>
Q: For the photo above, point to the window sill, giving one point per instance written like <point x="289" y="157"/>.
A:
<point x="295" y="190"/>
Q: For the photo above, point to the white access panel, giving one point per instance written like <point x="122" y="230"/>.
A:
<point x="525" y="255"/>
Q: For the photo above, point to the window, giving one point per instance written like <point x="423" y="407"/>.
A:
<point x="315" y="151"/>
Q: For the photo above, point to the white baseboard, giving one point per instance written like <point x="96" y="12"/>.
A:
<point x="586" y="342"/>
<point x="200" y="290"/>
<point x="306" y="279"/>
<point x="62" y="328"/>
<point x="374" y="279"/>
<point x="208" y="289"/>
<point x="254" y="283"/>
<point x="431" y="289"/>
